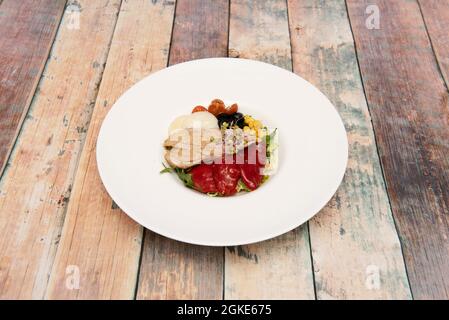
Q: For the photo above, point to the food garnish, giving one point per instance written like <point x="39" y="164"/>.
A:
<point x="219" y="151"/>
<point x="199" y="109"/>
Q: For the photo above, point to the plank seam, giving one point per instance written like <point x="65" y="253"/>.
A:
<point x="82" y="143"/>
<point x="289" y="34"/>
<point x="229" y="26"/>
<point x="378" y="151"/>
<point x="223" y="293"/>
<point x="32" y="97"/>
<point x="311" y="261"/>
<point x="172" y="31"/>
<point x="437" y="62"/>
<point x="224" y="273"/>
<point x="136" y="288"/>
<point x="307" y="223"/>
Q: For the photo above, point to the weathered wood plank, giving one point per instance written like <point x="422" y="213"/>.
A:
<point x="409" y="107"/>
<point x="436" y="18"/>
<point x="279" y="268"/>
<point x="98" y="239"/>
<point x="176" y="270"/>
<point x="27" y="32"/>
<point x="171" y="269"/>
<point x="200" y="30"/>
<point x="353" y="238"/>
<point x="35" y="187"/>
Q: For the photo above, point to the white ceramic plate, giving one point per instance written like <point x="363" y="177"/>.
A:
<point x="313" y="152"/>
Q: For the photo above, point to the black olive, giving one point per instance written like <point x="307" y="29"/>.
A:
<point x="240" y="123"/>
<point x="237" y="116"/>
<point x="223" y="117"/>
<point x="232" y="119"/>
<point x="237" y="119"/>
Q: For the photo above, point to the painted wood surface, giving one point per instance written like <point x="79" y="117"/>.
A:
<point x="436" y="18"/>
<point x="27" y="31"/>
<point x="355" y="248"/>
<point x="99" y="242"/>
<point x="200" y="30"/>
<point x="171" y="269"/>
<point x="57" y="221"/>
<point x="408" y="102"/>
<point x="36" y="186"/>
<point x="279" y="268"/>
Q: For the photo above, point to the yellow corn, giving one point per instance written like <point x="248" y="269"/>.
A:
<point x="253" y="124"/>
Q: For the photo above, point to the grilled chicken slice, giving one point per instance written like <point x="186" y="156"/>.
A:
<point x="188" y="147"/>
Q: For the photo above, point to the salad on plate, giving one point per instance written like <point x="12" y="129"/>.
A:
<point x="220" y="151"/>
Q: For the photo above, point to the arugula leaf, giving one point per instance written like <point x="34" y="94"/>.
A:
<point x="185" y="177"/>
<point x="241" y="186"/>
<point x="165" y="170"/>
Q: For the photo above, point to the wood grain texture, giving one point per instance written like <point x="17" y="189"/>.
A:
<point x="177" y="270"/>
<point x="200" y="30"/>
<point x="409" y="107"/>
<point x="279" y="268"/>
<point x="353" y="238"/>
<point x="436" y="18"/>
<point x="98" y="239"/>
<point x="36" y="186"/>
<point x="27" y="31"/>
<point x="171" y="269"/>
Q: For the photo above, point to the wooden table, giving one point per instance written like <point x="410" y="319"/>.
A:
<point x="385" y="234"/>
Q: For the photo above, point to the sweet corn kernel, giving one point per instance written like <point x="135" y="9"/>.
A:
<point x="253" y="126"/>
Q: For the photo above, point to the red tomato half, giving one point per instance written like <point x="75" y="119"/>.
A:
<point x="203" y="178"/>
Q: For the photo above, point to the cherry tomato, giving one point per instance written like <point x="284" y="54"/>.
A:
<point x="232" y="109"/>
<point x="199" y="109"/>
<point x="203" y="179"/>
<point x="226" y="177"/>
<point x="218" y="101"/>
<point x="217" y="107"/>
